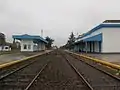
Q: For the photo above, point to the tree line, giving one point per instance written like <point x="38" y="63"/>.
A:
<point x="70" y="42"/>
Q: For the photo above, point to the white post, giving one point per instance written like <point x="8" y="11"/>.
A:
<point x="41" y="32"/>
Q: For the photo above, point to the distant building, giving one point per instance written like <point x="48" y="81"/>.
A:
<point x="30" y="42"/>
<point x="103" y="38"/>
<point x="54" y="47"/>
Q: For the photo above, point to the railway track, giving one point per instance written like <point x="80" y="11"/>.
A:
<point x="58" y="75"/>
<point x="55" y="74"/>
<point x="97" y="78"/>
<point x="79" y="74"/>
<point x="21" y="77"/>
<point x="12" y="68"/>
<point x="58" y="71"/>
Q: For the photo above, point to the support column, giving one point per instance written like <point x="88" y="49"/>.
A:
<point x="82" y="47"/>
<point x="93" y="47"/>
<point x="86" y="47"/>
<point x="78" y="47"/>
<point x="100" y="46"/>
<point x="90" y="46"/>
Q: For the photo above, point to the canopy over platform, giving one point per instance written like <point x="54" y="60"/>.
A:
<point x="94" y="38"/>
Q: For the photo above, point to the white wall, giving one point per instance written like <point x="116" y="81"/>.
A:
<point x="96" y="46"/>
<point x="34" y="46"/>
<point x="27" y="42"/>
<point x="111" y="42"/>
<point x="88" y="47"/>
<point x="41" y="46"/>
<point x="92" y="47"/>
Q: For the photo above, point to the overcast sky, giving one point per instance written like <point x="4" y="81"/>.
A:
<point x="57" y="18"/>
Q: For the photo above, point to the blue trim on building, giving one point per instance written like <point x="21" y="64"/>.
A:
<point x="31" y="37"/>
<point x="101" y="26"/>
<point x="94" y="38"/>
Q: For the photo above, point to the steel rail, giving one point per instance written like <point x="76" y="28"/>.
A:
<point x="78" y="73"/>
<point x="21" y="67"/>
<point x="101" y="70"/>
<point x="14" y="71"/>
<point x="37" y="75"/>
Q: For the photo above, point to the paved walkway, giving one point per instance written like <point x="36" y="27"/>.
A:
<point x="113" y="58"/>
<point x="17" y="56"/>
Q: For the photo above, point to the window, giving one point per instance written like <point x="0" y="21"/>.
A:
<point x="29" y="46"/>
<point x="6" y="47"/>
<point x="25" y="46"/>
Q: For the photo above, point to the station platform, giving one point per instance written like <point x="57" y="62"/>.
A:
<point x="6" y="58"/>
<point x="113" y="58"/>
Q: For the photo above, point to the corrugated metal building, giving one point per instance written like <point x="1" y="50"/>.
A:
<point x="103" y="38"/>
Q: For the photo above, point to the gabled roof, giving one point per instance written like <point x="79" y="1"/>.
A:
<point x="26" y="36"/>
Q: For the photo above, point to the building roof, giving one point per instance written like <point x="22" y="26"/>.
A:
<point x="30" y="37"/>
<point x="99" y="27"/>
<point x="105" y="24"/>
<point x="111" y="21"/>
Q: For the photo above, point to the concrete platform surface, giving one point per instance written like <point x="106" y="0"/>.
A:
<point x="5" y="58"/>
<point x="113" y="58"/>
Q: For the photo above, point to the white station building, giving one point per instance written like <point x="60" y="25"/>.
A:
<point x="31" y="42"/>
<point x="103" y="38"/>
